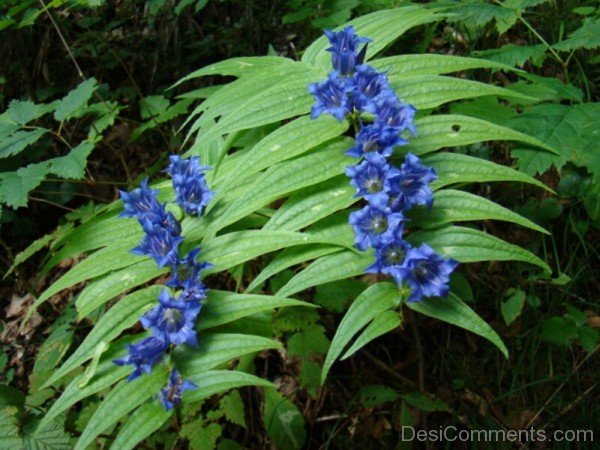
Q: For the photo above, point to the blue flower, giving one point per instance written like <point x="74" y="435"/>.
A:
<point x="410" y="184"/>
<point x="367" y="86"/>
<point x="390" y="255"/>
<point x="140" y="202"/>
<point x="192" y="192"/>
<point x="344" y="49"/>
<point x="160" y="243"/>
<point x="173" y="320"/>
<point x="186" y="273"/>
<point x="375" y="222"/>
<point x="143" y="355"/>
<point x="375" y="138"/>
<point x="331" y="97"/>
<point x="170" y="395"/>
<point x="391" y="112"/>
<point x="426" y="273"/>
<point x="370" y="176"/>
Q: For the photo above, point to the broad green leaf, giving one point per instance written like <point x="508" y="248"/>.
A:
<point x="75" y="100"/>
<point x="480" y="13"/>
<point x="431" y="91"/>
<point x="72" y="165"/>
<point x="15" y="186"/>
<point x="52" y="437"/>
<point x="586" y="36"/>
<point x="120" y="401"/>
<point x="454" y="311"/>
<point x="217" y="381"/>
<point x="218" y="348"/>
<point x="9" y="429"/>
<point x="283" y="178"/>
<point x="511" y="308"/>
<point x="328" y="268"/>
<point x="440" y="131"/>
<point x="386" y="321"/>
<point x="469" y="245"/>
<point x="459" y="206"/>
<point x="147" y="419"/>
<point x="382" y="27"/>
<point x="401" y="66"/>
<point x="23" y="111"/>
<point x="223" y="307"/>
<point x="18" y="141"/>
<point x="288" y="258"/>
<point x="368" y="305"/>
<point x="100" y="291"/>
<point x="283" y="421"/>
<point x="120" y="317"/>
<point x="453" y="168"/>
<point x="313" y="203"/>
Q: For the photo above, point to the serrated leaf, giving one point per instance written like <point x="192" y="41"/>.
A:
<point x="120" y="401"/>
<point x="120" y="317"/>
<point x="216" y="381"/>
<point x="514" y="55"/>
<point x="18" y="141"/>
<point x="459" y="206"/>
<point x="307" y="342"/>
<point x="469" y="245"/>
<point x="480" y="13"/>
<point x="75" y="100"/>
<point x="233" y="407"/>
<point x="143" y="422"/>
<point x="15" y="186"/>
<point x="453" y="168"/>
<point x="454" y="311"/>
<point x="386" y="321"/>
<point x="284" y="421"/>
<point x="218" y="348"/>
<point x="328" y="268"/>
<point x="586" y="36"/>
<point x="440" y="131"/>
<point x="23" y="111"/>
<point x="9" y="430"/>
<point x="72" y="165"/>
<point x="51" y="437"/>
<point x="372" y="302"/>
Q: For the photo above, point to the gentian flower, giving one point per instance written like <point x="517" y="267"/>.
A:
<point x="375" y="222"/>
<point x="159" y="243"/>
<point x="344" y="49"/>
<point x="410" y="184"/>
<point x="391" y="112"/>
<point x="390" y="256"/>
<point x="171" y="394"/>
<point x="173" y="320"/>
<point x="367" y="86"/>
<point x="426" y="272"/>
<point x="186" y="273"/>
<point x="143" y="355"/>
<point x="192" y="192"/>
<point x="376" y="138"/>
<point x="371" y="176"/>
<point x="140" y="202"/>
<point x="331" y="97"/>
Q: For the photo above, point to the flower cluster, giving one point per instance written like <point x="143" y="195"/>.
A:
<point x="351" y="90"/>
<point x="171" y="322"/>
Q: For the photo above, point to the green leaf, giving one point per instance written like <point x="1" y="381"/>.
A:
<point x="120" y="317"/>
<point x="514" y="55"/>
<point x="313" y="203"/>
<point x="375" y="395"/>
<point x="23" y="111"/>
<point x="511" y="308"/>
<point x="370" y="304"/>
<point x="328" y="268"/>
<point x="310" y="341"/>
<point x="480" y="13"/>
<point x="51" y="437"/>
<point x="459" y="206"/>
<point x="50" y="354"/>
<point x="558" y="331"/>
<point x="219" y="348"/>
<point x="120" y="401"/>
<point x="453" y="168"/>
<point x="18" y="141"/>
<point x="153" y="105"/>
<point x="232" y="405"/>
<point x="386" y="321"/>
<point x="288" y="258"/>
<point x="9" y="429"/>
<point x="284" y="421"/>
<point x="424" y="402"/>
<point x="336" y="296"/>
<point x="72" y="165"/>
<point x="75" y="100"/>
<point x="454" y="311"/>
<point x="15" y="186"/>
<point x="216" y="381"/>
<point x="147" y="419"/>
<point x="382" y="27"/>
<point x="586" y="36"/>
<point x="222" y="307"/>
<point x="439" y="131"/>
<point x="469" y="245"/>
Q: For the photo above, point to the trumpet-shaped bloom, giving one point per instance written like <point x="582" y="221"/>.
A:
<point x="331" y="97"/>
<point x="390" y="256"/>
<point x="374" y="223"/>
<point x="192" y="192"/>
<point x="345" y="55"/>
<point x="367" y="86"/>
<point x="140" y="202"/>
<point x="144" y="355"/>
<point x="186" y="273"/>
<point x="371" y="175"/>
<point x="173" y="320"/>
<point x="410" y="185"/>
<point x="170" y="395"/>
<point x="376" y="138"/>
<point x="391" y="112"/>
<point x="160" y="243"/>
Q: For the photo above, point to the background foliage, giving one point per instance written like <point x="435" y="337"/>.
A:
<point x="70" y="134"/>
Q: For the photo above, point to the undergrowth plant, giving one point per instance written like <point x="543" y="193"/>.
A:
<point x="281" y="204"/>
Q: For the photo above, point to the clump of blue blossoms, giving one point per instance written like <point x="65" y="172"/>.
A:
<point x="171" y="322"/>
<point x="351" y="90"/>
